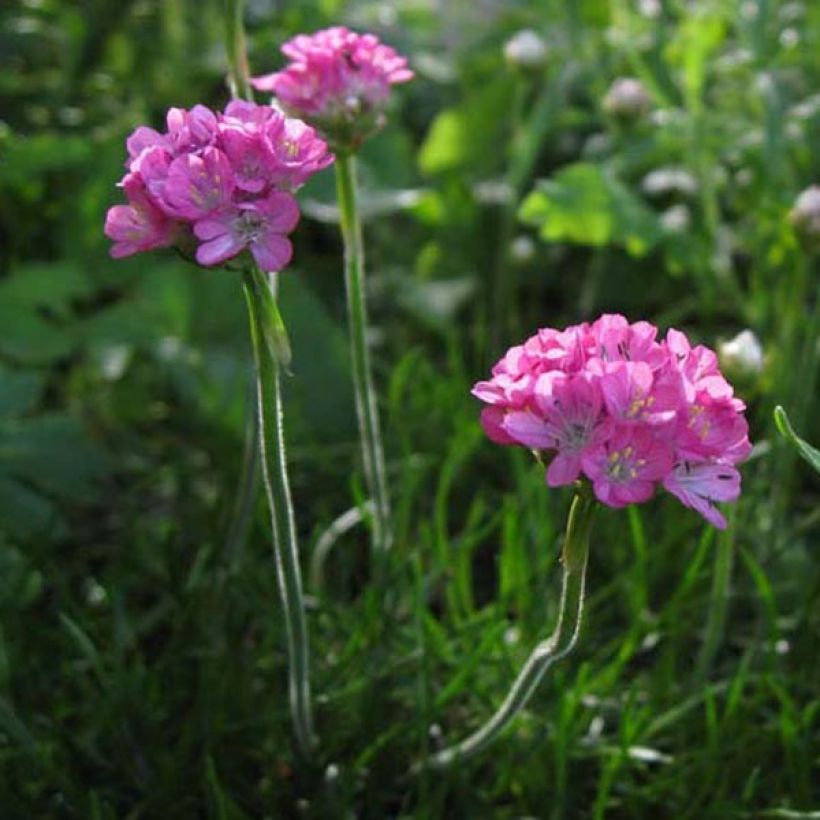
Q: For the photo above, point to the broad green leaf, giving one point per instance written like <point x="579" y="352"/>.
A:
<point x="586" y="205"/>
<point x="51" y="286"/>
<point x="468" y="134"/>
<point x="700" y="33"/>
<point x="20" y="391"/>
<point x="30" y="338"/>
<point x="54" y="454"/>
<point x="26" y="514"/>
<point x="809" y="453"/>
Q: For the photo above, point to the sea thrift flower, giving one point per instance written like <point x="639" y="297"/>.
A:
<point x="140" y="225"/>
<point x="261" y="226"/>
<point x="628" y="412"/>
<point x="338" y="81"/>
<point x="221" y="181"/>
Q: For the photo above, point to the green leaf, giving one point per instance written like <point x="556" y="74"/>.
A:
<point x="52" y="286"/>
<point x="586" y="205"/>
<point x="467" y="135"/>
<point x="20" y="391"/>
<point x="53" y="453"/>
<point x="809" y="453"/>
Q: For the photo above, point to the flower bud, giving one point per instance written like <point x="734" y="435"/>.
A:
<point x="526" y="51"/>
<point x="741" y="356"/>
<point x="805" y="216"/>
<point x="627" y="99"/>
<point x="676" y="220"/>
<point x="522" y="249"/>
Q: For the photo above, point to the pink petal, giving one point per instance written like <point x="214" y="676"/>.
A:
<point x="218" y="250"/>
<point x="529" y="430"/>
<point x="564" y="469"/>
<point x="273" y="252"/>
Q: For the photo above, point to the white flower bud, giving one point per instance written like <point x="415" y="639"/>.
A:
<point x="805" y="215"/>
<point x="522" y="249"/>
<point x="742" y="355"/>
<point x="526" y="50"/>
<point x="677" y="219"/>
<point x="627" y="99"/>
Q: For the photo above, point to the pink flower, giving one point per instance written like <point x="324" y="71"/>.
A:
<point x="337" y="80"/>
<point x="567" y="417"/>
<point x="623" y="410"/>
<point x="260" y="226"/>
<point x="298" y="152"/>
<point x="633" y="394"/>
<point x="700" y="484"/>
<point x="140" y="225"/>
<point x="193" y="130"/>
<point x="197" y="185"/>
<point x="223" y="179"/>
<point x="626" y="465"/>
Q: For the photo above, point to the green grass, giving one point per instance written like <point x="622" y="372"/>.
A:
<point x="142" y="667"/>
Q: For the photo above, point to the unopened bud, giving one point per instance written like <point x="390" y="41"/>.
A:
<point x="627" y="99"/>
<point x="526" y="50"/>
<point x="805" y="216"/>
<point x="677" y="219"/>
<point x="741" y="356"/>
<point x="522" y="249"/>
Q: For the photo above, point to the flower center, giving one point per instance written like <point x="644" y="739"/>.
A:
<point x="249" y="226"/>
<point x="622" y="466"/>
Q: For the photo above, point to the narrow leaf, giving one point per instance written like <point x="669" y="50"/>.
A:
<point x="809" y="453"/>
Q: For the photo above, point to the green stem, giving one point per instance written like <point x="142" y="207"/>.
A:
<point x="238" y="73"/>
<point x="366" y="410"/>
<point x="248" y="485"/>
<point x="259" y="294"/>
<point x="528" y="136"/>
<point x="718" y="606"/>
<point x="557" y="646"/>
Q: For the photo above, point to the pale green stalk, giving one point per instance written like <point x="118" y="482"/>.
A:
<point x="270" y="349"/>
<point x="261" y="300"/>
<point x="547" y="652"/>
<point x="366" y="409"/>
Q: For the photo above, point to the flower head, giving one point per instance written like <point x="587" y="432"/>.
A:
<point x="339" y="81"/>
<point x="625" y="410"/>
<point x="224" y="181"/>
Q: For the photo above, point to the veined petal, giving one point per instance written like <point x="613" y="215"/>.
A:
<point x="219" y="249"/>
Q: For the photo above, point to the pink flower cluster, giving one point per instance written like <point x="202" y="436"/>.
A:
<point x="623" y="409"/>
<point x="338" y="80"/>
<point x="224" y="181"/>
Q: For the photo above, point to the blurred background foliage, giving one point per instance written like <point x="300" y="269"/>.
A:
<point x="141" y="665"/>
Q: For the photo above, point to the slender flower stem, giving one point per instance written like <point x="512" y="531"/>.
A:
<point x="261" y="300"/>
<point x="366" y="410"/>
<point x="238" y="73"/>
<point x="557" y="646"/>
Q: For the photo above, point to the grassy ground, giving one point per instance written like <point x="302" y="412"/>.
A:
<point x="141" y="649"/>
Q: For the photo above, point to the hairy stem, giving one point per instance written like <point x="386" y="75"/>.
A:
<point x="260" y="298"/>
<point x="366" y="409"/>
<point x="557" y="646"/>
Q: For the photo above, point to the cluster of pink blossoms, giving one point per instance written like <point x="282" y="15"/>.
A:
<point x="222" y="181"/>
<point x="337" y="80"/>
<point x="623" y="409"/>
